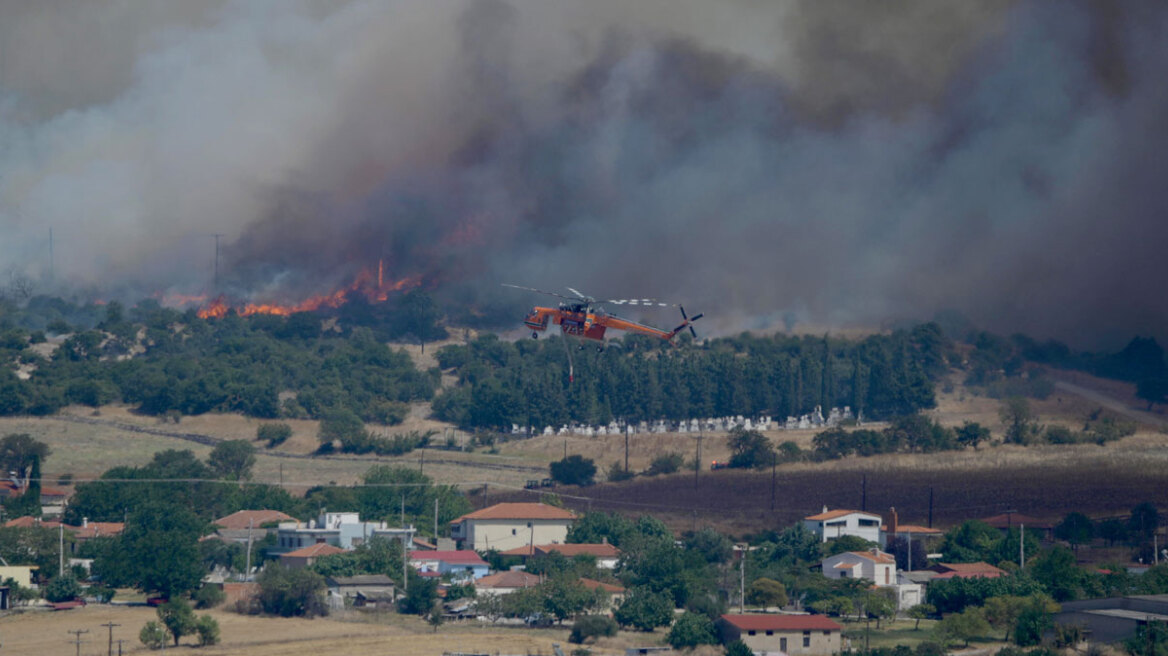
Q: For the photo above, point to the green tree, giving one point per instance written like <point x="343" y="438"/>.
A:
<point x="1019" y="420"/>
<point x="565" y="597"/>
<point x="1002" y="613"/>
<point x="1143" y="521"/>
<point x="344" y="426"/>
<point x="153" y="635"/>
<point x="691" y="630"/>
<point x="291" y="592"/>
<point x="644" y="610"/>
<point x="19" y="452"/>
<point x="178" y="617"/>
<point x="971" y="542"/>
<point x="1034" y="620"/>
<point x="158" y="550"/>
<point x="972" y="433"/>
<point x="420" y="596"/>
<point x="738" y="648"/>
<point x="573" y="470"/>
<point x="963" y="626"/>
<point x="590" y="627"/>
<point x="1076" y="528"/>
<point x="749" y="448"/>
<point x="63" y="588"/>
<point x="233" y="459"/>
<point x="1058" y="573"/>
<point x="921" y="612"/>
<point x="208" y="630"/>
<point x="666" y="463"/>
<point x="766" y="593"/>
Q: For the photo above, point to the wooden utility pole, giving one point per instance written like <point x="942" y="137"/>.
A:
<point x="111" y="626"/>
<point x="77" y="633"/>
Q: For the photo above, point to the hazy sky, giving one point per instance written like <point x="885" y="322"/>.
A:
<point x="851" y="163"/>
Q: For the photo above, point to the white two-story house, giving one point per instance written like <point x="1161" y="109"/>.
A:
<point x="506" y="526"/>
<point x="831" y="524"/>
<point x="878" y="567"/>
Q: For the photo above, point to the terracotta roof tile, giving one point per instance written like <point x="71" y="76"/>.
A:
<point x="878" y="557"/>
<point x="314" y="551"/>
<point x="97" y="529"/>
<point x="465" y="557"/>
<point x="518" y="511"/>
<point x="608" y="587"/>
<point x="782" y="622"/>
<point x="834" y="514"/>
<point x="508" y="579"/>
<point x="29" y="521"/>
<point x="256" y="518"/>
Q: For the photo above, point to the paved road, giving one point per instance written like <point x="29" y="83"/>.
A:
<point x="1111" y="403"/>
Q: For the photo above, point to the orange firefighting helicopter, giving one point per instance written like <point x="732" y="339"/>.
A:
<point x="579" y="316"/>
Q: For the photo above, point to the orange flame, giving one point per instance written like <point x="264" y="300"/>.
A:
<point x="373" y="287"/>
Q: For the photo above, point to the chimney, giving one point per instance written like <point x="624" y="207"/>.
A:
<point x="825" y="507"/>
<point x="892" y="523"/>
<point x="84" y="522"/>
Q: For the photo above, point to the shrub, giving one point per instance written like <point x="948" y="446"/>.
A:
<point x="691" y="630"/>
<point x="666" y="463"/>
<point x="62" y="588"/>
<point x="573" y="470"/>
<point x="588" y="627"/>
<point x="152" y="635"/>
<point x="208" y="630"/>
<point x="274" y="434"/>
<point x="209" y="596"/>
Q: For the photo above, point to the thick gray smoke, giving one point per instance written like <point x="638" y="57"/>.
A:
<point x="845" y="163"/>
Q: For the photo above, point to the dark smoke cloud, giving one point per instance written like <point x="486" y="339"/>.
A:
<point x="848" y="163"/>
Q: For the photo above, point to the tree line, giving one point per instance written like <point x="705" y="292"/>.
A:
<point x="526" y="383"/>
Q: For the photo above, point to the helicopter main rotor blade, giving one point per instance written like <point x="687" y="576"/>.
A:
<point x="538" y="291"/>
<point x="646" y="302"/>
<point x="582" y="297"/>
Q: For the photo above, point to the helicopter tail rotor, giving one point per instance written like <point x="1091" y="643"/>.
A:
<point x="688" y="323"/>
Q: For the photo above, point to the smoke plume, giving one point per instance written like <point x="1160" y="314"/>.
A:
<point x="843" y="163"/>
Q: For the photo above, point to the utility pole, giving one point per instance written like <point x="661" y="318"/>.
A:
<point x="77" y="633"/>
<point x="742" y="582"/>
<point x="52" y="262"/>
<point x="909" y="568"/>
<point x="61" y="548"/>
<point x="930" y="507"/>
<point x="774" y="465"/>
<point x="435" y="521"/>
<point x="1022" y="546"/>
<point x="627" y="447"/>
<point x="247" y="567"/>
<point x="864" y="493"/>
<point x="120" y="641"/>
<point x="111" y="626"/>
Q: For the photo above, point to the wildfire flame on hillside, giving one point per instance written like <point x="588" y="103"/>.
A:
<point x="369" y="285"/>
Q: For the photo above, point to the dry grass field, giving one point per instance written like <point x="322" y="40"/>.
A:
<point x="353" y="634"/>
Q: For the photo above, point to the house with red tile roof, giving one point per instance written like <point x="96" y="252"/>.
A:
<point x="1007" y="521"/>
<point x="459" y="564"/>
<point x="306" y="556"/>
<point x="506" y="526"/>
<point x="894" y="530"/>
<point x="606" y="555"/>
<point x="966" y="571"/>
<point x="253" y="519"/>
<point x="795" y="635"/>
<point x="832" y="524"/>
<point x="29" y="521"/>
<point x="505" y="582"/>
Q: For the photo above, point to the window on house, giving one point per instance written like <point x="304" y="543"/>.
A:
<point x="769" y="632"/>
<point x="528" y="524"/>
<point x="514" y="532"/>
<point x="827" y="633"/>
<point x="887" y="574"/>
<point x="806" y="641"/>
<point x="843" y="574"/>
<point x="782" y="644"/>
<point x="869" y="522"/>
<point x="750" y="632"/>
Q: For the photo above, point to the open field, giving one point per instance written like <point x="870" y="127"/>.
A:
<point x="352" y="633"/>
